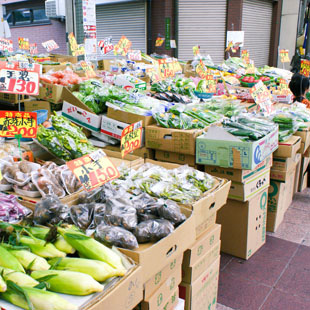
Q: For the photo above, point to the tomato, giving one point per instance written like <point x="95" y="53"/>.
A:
<point x="267" y="78"/>
<point x="262" y="78"/>
<point x="245" y="79"/>
<point x="251" y="79"/>
<point x="256" y="81"/>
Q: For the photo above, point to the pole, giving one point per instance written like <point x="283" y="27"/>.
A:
<point x="307" y="52"/>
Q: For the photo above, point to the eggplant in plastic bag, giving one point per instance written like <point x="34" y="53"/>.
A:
<point x="50" y="211"/>
<point x="170" y="211"/>
<point x="99" y="213"/>
<point x="118" y="236"/>
<point x="82" y="215"/>
<point x="119" y="213"/>
<point x="96" y="195"/>
<point x="153" y="230"/>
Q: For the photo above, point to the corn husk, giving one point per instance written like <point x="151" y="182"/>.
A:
<point x="17" y="277"/>
<point x="62" y="245"/>
<point x="8" y="260"/>
<point x="2" y="285"/>
<point x="68" y="282"/>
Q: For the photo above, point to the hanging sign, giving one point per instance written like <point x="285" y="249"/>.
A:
<point x="168" y="67"/>
<point x="106" y="45"/>
<point x="196" y="50"/>
<point x="131" y="138"/>
<point x="210" y="84"/>
<point x="122" y="47"/>
<point x="159" y="41"/>
<point x="76" y="49"/>
<point x="134" y="55"/>
<point x="93" y="170"/>
<point x="245" y="55"/>
<point x="262" y="96"/>
<point x="18" y="123"/>
<point x="88" y="69"/>
<point x="33" y="48"/>
<point x="305" y="67"/>
<point x="234" y="40"/>
<point x="201" y="70"/>
<point x="23" y="43"/>
<point x="50" y="45"/>
<point x="90" y="29"/>
<point x="284" y="56"/>
<point x="19" y="78"/>
<point x="6" y="45"/>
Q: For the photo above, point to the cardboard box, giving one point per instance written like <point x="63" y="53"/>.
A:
<point x="217" y="147"/>
<point x="280" y="196"/>
<point x="282" y="176"/>
<point x="304" y="134"/>
<point x="64" y="58"/>
<point x="12" y="98"/>
<point x="283" y="164"/>
<point x="202" y="245"/>
<point x="60" y="67"/>
<point x="142" y="152"/>
<point x="243" y="225"/>
<point x="129" y="160"/>
<point x="168" y="304"/>
<point x="108" y="65"/>
<point x="191" y="273"/>
<point x="129" y="118"/>
<point x="202" y="294"/>
<point x="207" y="205"/>
<point x="303" y="170"/>
<point x="173" y="140"/>
<point x="178" y="158"/>
<point x="78" y="112"/>
<point x="254" y="185"/>
<point x="289" y="148"/>
<point x="158" y="279"/>
<point x="304" y="182"/>
<point x="153" y="256"/>
<point x="163" y="293"/>
<point x="238" y="175"/>
<point x="297" y="173"/>
<point x="34" y="105"/>
<point x="50" y="92"/>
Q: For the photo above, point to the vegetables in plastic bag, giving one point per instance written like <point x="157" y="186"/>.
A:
<point x="170" y="211"/>
<point x="153" y="230"/>
<point x="117" y="236"/>
<point x="96" y="195"/>
<point x="82" y="215"/>
<point x="70" y="181"/>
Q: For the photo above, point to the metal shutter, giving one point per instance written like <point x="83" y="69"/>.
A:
<point x="256" y="23"/>
<point x="128" y="19"/>
<point x="202" y="23"/>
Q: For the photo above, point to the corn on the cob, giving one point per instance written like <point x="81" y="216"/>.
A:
<point x="62" y="245"/>
<point x="39" y="299"/>
<point x="68" y="282"/>
<point x="8" y="260"/>
<point x="99" y="270"/>
<point x="17" y="277"/>
<point x="39" y="231"/>
<point x="90" y="248"/>
<point x="40" y="247"/>
<point x="2" y="285"/>
<point x="29" y="260"/>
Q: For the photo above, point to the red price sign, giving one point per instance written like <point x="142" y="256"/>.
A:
<point x="131" y="138"/>
<point x="305" y="67"/>
<point x="18" y="123"/>
<point x="6" y="45"/>
<point x="50" y="45"/>
<point x="33" y="48"/>
<point x="19" y="78"/>
<point x="122" y="47"/>
<point x="210" y="84"/>
<point x="106" y="45"/>
<point x="23" y="43"/>
<point x="93" y="170"/>
<point x="262" y="96"/>
<point x="134" y="55"/>
<point x="284" y="56"/>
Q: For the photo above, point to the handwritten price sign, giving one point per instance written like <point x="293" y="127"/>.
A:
<point x="250" y="68"/>
<point x="50" y="45"/>
<point x="159" y="41"/>
<point x="122" y="47"/>
<point x="19" y="78"/>
<point x="245" y="56"/>
<point x="88" y="69"/>
<point x="93" y="170"/>
<point x="153" y="74"/>
<point x="210" y="84"/>
<point x="284" y="56"/>
<point x="6" y="45"/>
<point x="305" y="67"/>
<point x="18" y="123"/>
<point x="283" y="87"/>
<point x="134" y="55"/>
<point x="33" y="48"/>
<point x="262" y="96"/>
<point x="168" y="67"/>
<point x="23" y="43"/>
<point x="131" y="138"/>
<point x="201" y="70"/>
<point x="77" y="49"/>
<point x="106" y="45"/>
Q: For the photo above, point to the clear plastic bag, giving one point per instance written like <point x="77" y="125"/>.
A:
<point x="116" y="236"/>
<point x="170" y="211"/>
<point x="70" y="181"/>
<point x="82" y="215"/>
<point x="153" y="230"/>
<point x="96" y="195"/>
<point x="50" y="210"/>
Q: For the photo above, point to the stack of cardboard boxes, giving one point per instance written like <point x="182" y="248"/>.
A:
<point x="286" y="161"/>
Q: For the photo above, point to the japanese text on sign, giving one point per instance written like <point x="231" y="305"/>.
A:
<point x="284" y="89"/>
<point x="18" y="123"/>
<point x="122" y="47"/>
<point x="159" y="41"/>
<point x="33" y="48"/>
<point x="168" y="67"/>
<point x="134" y="55"/>
<point x="6" y="45"/>
<point x="245" y="56"/>
<point x="153" y="74"/>
<point x="106" y="45"/>
<point x="201" y="70"/>
<point x="250" y="68"/>
<point x="23" y="43"/>
<point x="88" y="69"/>
<point x="131" y="138"/>
<point x="210" y="84"/>
<point x="50" y="45"/>
<point x="77" y="49"/>
<point x="305" y="67"/>
<point x="19" y="78"/>
<point x="93" y="170"/>
<point x="284" y="56"/>
<point x="262" y="96"/>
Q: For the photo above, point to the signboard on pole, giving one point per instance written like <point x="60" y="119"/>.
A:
<point x="89" y="24"/>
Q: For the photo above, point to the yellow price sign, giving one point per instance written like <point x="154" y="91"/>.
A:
<point x="23" y="44"/>
<point x="250" y="68"/>
<point x="88" y="69"/>
<point x="284" y="56"/>
<point x="153" y="74"/>
<point x="131" y="138"/>
<point x="262" y="96"/>
<point x="93" y="170"/>
<point x="210" y="84"/>
<point x="201" y="70"/>
<point x="196" y="50"/>
<point x="76" y="49"/>
<point x="245" y="56"/>
<point x="305" y="67"/>
<point x="1" y="176"/>
<point x="122" y="47"/>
